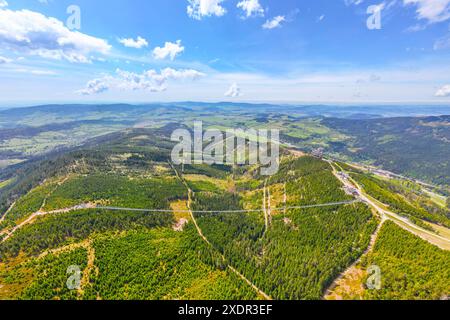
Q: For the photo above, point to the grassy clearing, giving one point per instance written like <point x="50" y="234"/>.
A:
<point x="442" y="231"/>
<point x="14" y="278"/>
<point x="438" y="199"/>
<point x="6" y="183"/>
<point x="180" y="209"/>
<point x="199" y="182"/>
<point x="9" y="162"/>
<point x="350" y="287"/>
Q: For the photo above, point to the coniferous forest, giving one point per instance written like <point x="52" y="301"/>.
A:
<point x="289" y="235"/>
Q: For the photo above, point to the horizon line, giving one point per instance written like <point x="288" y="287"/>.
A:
<point x="28" y="104"/>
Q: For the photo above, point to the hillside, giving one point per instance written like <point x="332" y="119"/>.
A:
<point x="415" y="147"/>
<point x="399" y="139"/>
<point x="138" y="227"/>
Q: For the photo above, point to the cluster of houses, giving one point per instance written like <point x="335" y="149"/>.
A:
<point x="348" y="189"/>
<point x="351" y="191"/>
<point x="318" y="153"/>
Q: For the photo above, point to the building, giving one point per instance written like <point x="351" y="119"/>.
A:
<point x="318" y="153"/>
<point x="351" y="191"/>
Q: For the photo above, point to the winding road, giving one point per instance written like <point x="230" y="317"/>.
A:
<point x="437" y="240"/>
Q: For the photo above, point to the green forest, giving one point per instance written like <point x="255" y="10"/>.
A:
<point x="411" y="268"/>
<point x="161" y="265"/>
<point x="386" y="193"/>
<point x="302" y="251"/>
<point x="288" y="253"/>
<point x="119" y="191"/>
<point x="57" y="230"/>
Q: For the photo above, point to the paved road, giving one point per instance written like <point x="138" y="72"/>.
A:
<point x="403" y="222"/>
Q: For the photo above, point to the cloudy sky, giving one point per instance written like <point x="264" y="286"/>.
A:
<point x="314" y="51"/>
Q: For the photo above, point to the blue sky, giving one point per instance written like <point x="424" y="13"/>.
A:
<point x="316" y="51"/>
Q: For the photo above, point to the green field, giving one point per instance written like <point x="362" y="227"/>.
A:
<point x="6" y="183"/>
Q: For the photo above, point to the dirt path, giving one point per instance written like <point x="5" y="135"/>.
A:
<point x="58" y="184"/>
<point x="24" y="223"/>
<point x="199" y="230"/>
<point x="89" y="268"/>
<point x="266" y="216"/>
<point x="37" y="214"/>
<point x="68" y="248"/>
<point x="189" y="204"/>
<point x="261" y="293"/>
<point x="7" y="211"/>
<point x="348" y="271"/>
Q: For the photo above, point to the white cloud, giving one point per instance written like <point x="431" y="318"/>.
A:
<point x="169" y="50"/>
<point x="131" y="43"/>
<point x="183" y="74"/>
<point x="353" y="2"/>
<point x="37" y="72"/>
<point x="3" y="3"/>
<point x="234" y="91"/>
<point x="150" y="80"/>
<point x="374" y="78"/>
<point x="399" y="84"/>
<point x="431" y="10"/>
<point x="197" y="9"/>
<point x="4" y="60"/>
<point x="95" y="86"/>
<point x="416" y="28"/>
<point x="321" y="18"/>
<point x="33" y="33"/>
<point x="252" y="8"/>
<point x="442" y="43"/>
<point x="43" y="72"/>
<point x="443" y="92"/>
<point x="274" y="23"/>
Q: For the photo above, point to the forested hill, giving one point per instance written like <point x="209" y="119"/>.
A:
<point x="397" y="138"/>
<point x="289" y="236"/>
<point x="416" y="147"/>
<point x="91" y="157"/>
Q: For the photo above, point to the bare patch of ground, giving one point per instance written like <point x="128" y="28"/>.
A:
<point x="349" y="287"/>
